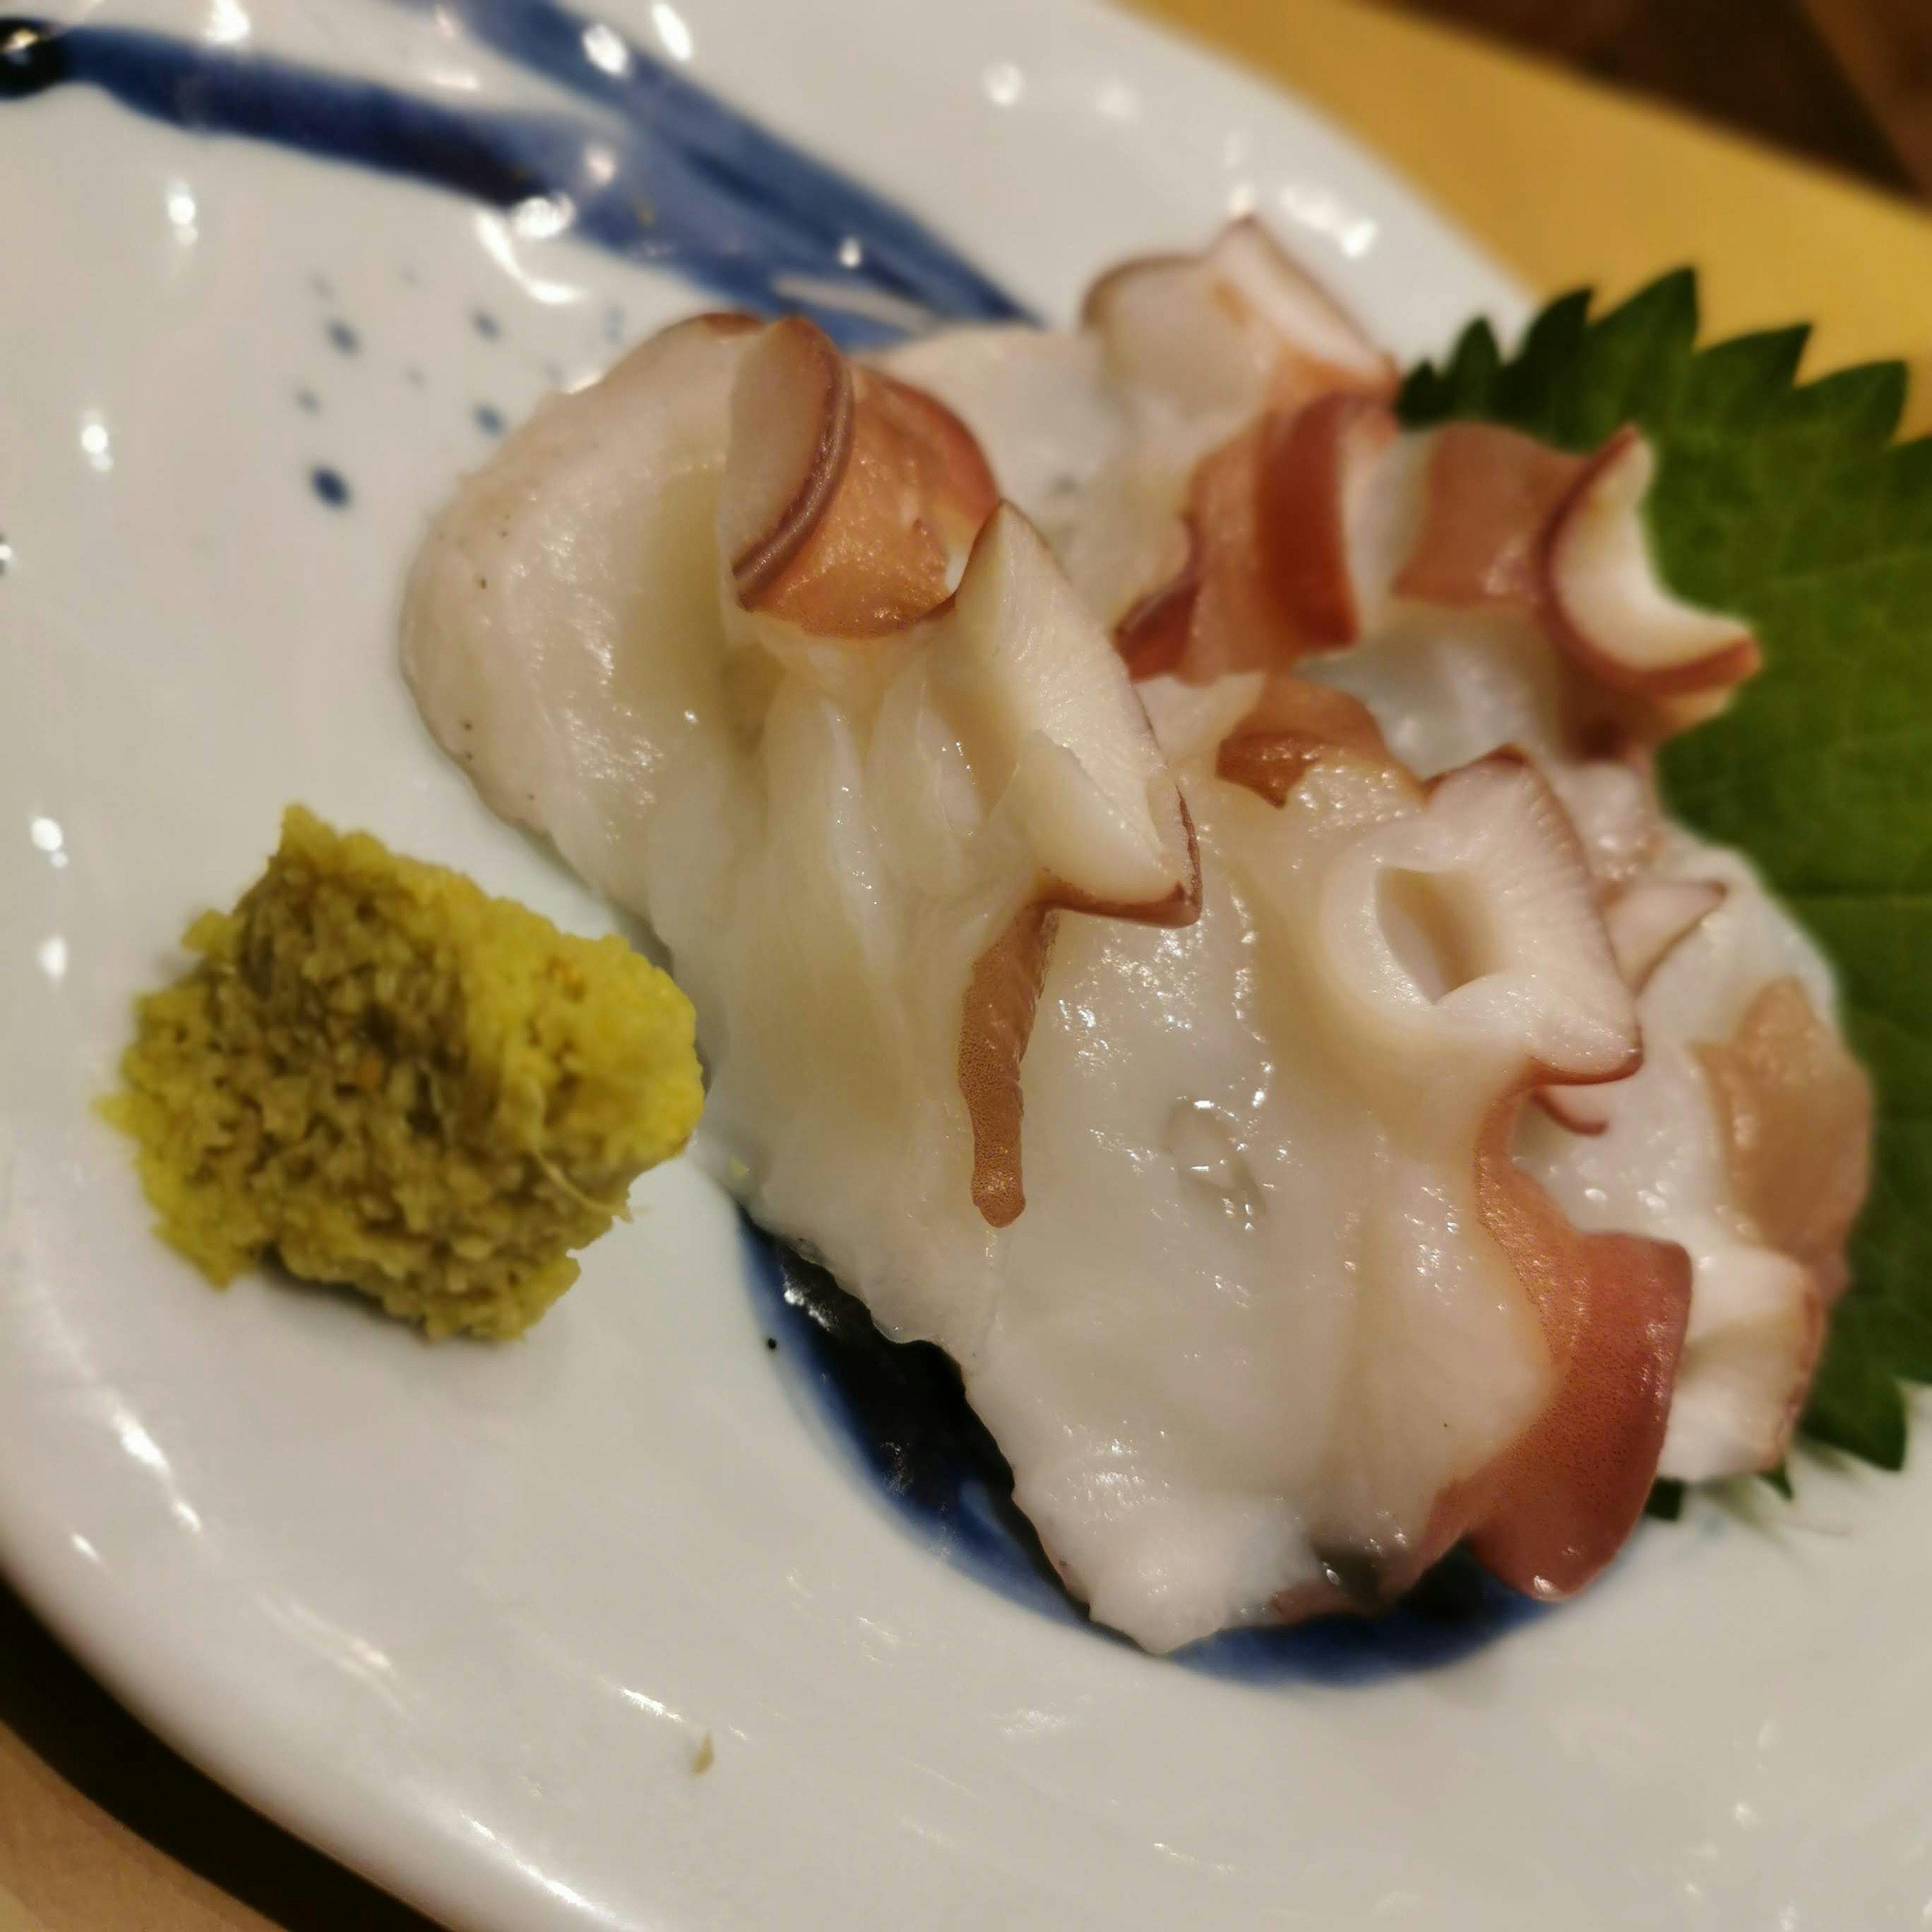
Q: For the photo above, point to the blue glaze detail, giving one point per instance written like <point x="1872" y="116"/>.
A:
<point x="328" y="484"/>
<point x="308" y="402"/>
<point x="343" y="337"/>
<point x="901" y="1410"/>
<point x="485" y="324"/>
<point x="657" y="171"/>
<point x="799" y="212"/>
<point x="488" y="420"/>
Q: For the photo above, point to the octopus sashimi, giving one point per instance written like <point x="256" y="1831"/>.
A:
<point x="1165" y="886"/>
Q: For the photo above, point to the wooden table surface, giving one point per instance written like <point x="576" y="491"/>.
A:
<point x="1845" y="83"/>
<point x="101" y="1826"/>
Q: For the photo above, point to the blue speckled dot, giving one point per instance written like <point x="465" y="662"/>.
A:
<point x="486" y="325"/>
<point x="307" y="401"/>
<point x="327" y="484"/>
<point x="342" y="337"/>
<point x="489" y="420"/>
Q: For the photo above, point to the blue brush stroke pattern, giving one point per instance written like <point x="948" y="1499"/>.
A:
<point x="658" y="171"/>
<point x="901" y="1410"/>
<point x="810" y="211"/>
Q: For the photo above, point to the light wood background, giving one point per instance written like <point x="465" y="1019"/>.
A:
<point x="1845" y="83"/>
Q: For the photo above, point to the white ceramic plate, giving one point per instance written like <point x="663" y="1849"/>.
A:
<point x="466" y="1617"/>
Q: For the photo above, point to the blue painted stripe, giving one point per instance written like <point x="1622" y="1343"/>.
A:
<point x="730" y="155"/>
<point x="660" y="173"/>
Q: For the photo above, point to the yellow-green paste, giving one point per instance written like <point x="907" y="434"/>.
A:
<point x="392" y="1080"/>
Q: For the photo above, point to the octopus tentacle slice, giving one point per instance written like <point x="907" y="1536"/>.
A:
<point x="1240" y="325"/>
<point x="848" y="528"/>
<point x="1646" y="922"/>
<point x="1605" y="604"/>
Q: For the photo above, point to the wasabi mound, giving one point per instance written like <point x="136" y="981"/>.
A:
<point x="390" y="1080"/>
